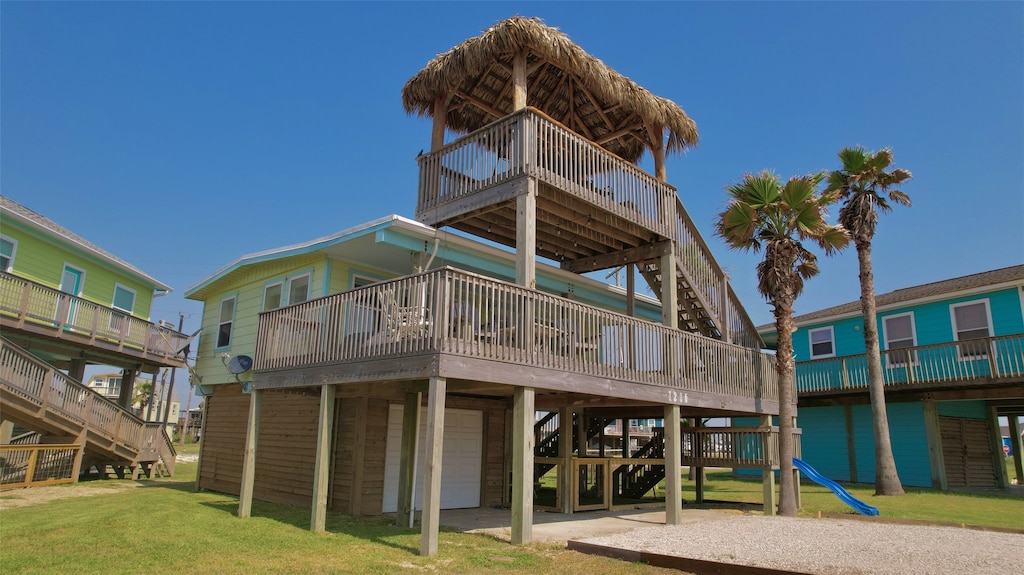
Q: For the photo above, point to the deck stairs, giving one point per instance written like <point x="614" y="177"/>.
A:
<point x="547" y="435"/>
<point x="634" y="481"/>
<point x="39" y="397"/>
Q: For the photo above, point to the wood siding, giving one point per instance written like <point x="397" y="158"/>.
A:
<point x="967" y="453"/>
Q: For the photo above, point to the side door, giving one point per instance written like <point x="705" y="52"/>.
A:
<point x="71" y="281"/>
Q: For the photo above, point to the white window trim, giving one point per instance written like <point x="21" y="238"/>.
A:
<point x="832" y="337"/>
<point x="14" y="252"/>
<point x="81" y="282"/>
<point x="956" y="335"/>
<point x="234" y="312"/>
<point x="135" y="296"/>
<point x="290" y="280"/>
<point x="889" y="363"/>
<point x="269" y="285"/>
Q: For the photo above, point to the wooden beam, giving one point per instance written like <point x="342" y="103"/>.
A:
<point x="482" y="105"/>
<point x="657" y="147"/>
<point x="565" y="453"/>
<point x="851" y="442"/>
<point x="430" y="522"/>
<point x="522" y="465"/>
<point x="616" y="134"/>
<point x="362" y="417"/>
<point x="321" y="470"/>
<point x="526" y="237"/>
<point x="407" y="466"/>
<point x="621" y="257"/>
<point x="1017" y="441"/>
<point x="673" y="467"/>
<point x="518" y="81"/>
<point x="767" y="473"/>
<point x="440" y="119"/>
<point x="933" y="439"/>
<point x="252" y="431"/>
<point x="996" y="445"/>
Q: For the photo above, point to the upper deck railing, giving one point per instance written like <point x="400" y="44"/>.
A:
<point x="457" y="312"/>
<point x="975" y="361"/>
<point x="529" y="143"/>
<point x="49" y="390"/>
<point x="26" y="303"/>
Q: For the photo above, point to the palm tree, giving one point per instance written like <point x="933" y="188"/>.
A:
<point x="867" y="189"/>
<point x="764" y="213"/>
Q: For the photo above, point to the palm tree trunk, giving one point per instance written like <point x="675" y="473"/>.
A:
<point x="887" y="481"/>
<point x="786" y="369"/>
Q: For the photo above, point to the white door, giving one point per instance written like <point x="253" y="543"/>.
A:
<point x="461" y="458"/>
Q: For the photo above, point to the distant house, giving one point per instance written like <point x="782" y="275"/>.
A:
<point x="953" y="361"/>
<point x="66" y="303"/>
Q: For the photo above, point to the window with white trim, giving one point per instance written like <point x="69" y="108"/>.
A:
<point x="8" y="247"/>
<point x="971" y="320"/>
<point x="899" y="334"/>
<point x="298" y="289"/>
<point x="124" y="300"/>
<point x="272" y="296"/>
<point x="225" y="321"/>
<point x="823" y="342"/>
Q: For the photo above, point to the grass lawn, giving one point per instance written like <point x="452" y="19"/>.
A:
<point x="165" y="527"/>
<point x="921" y="504"/>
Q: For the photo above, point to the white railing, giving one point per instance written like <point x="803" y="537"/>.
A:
<point x="984" y="360"/>
<point x="26" y="302"/>
<point x="457" y="312"/>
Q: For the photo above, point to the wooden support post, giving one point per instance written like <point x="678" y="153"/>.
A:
<point x="202" y="440"/>
<point x="362" y="408"/>
<point x="518" y="81"/>
<point x="407" y="466"/>
<point x="933" y="439"/>
<point x="252" y="431"/>
<point x="669" y="291"/>
<point x="767" y="473"/>
<point x="322" y="468"/>
<point x="76" y="370"/>
<point x="698" y="476"/>
<point x="430" y="522"/>
<point x="523" y="418"/>
<point x="124" y="397"/>
<point x="440" y="117"/>
<point x="526" y="237"/>
<point x="565" y="453"/>
<point x="1014" y="419"/>
<point x="851" y="442"/>
<point x="673" y="467"/>
<point x="6" y="432"/>
<point x="996" y="446"/>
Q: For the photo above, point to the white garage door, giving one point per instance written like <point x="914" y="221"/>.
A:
<point x="461" y="458"/>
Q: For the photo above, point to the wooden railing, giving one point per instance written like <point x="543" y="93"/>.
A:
<point x="747" y="447"/>
<point x="25" y="302"/>
<point x="33" y="465"/>
<point x="473" y="315"/>
<point x="51" y="391"/>
<point x="530" y="143"/>
<point x="977" y="361"/>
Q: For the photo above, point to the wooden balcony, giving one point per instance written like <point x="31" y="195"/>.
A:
<point x="34" y="311"/>
<point x="42" y="398"/>
<point x="492" y="335"/>
<point x="594" y="211"/>
<point x="972" y="364"/>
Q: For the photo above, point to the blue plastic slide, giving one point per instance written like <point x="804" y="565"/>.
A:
<point x="844" y="495"/>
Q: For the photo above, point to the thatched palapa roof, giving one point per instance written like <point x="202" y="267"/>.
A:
<point x="563" y="81"/>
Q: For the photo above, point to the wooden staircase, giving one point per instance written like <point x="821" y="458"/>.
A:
<point x="548" y="440"/>
<point x="634" y="481"/>
<point x="39" y="397"/>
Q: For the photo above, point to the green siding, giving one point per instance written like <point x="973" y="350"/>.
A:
<point x="41" y="259"/>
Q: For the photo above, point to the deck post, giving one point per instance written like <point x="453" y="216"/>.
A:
<point x="565" y="452"/>
<point x="252" y="430"/>
<point x="1018" y="444"/>
<point x="933" y="439"/>
<point x="996" y="445"/>
<point x="76" y="370"/>
<point x="322" y="468"/>
<point x="124" y="397"/>
<point x="523" y="418"/>
<point x="673" y="466"/>
<point x="407" y="466"/>
<point x="767" y="466"/>
<point x="430" y="521"/>
<point x="526" y="237"/>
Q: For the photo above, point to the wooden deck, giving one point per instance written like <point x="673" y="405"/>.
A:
<point x="975" y="364"/>
<point x="489" y="335"/>
<point x="42" y="398"/>
<point x="594" y="211"/>
<point x="33" y="311"/>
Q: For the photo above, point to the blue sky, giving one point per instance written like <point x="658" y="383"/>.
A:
<point x="180" y="136"/>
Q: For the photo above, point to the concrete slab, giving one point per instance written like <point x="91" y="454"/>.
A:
<point x="554" y="527"/>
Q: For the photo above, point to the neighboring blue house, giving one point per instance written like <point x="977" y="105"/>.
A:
<point x="953" y="360"/>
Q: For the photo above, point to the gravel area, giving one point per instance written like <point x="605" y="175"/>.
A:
<point x="831" y="546"/>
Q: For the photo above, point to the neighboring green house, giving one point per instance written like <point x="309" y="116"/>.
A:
<point x="65" y="303"/>
<point x="953" y="361"/>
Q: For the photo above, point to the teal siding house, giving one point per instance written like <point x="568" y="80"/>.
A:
<point x="953" y="361"/>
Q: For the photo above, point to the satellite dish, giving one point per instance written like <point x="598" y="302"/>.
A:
<point x="239" y="364"/>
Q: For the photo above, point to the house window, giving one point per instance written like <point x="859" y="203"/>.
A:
<point x="899" y="334"/>
<point x="822" y="342"/>
<point x="298" y="289"/>
<point x="972" y="320"/>
<point x="8" y="246"/>
<point x="124" y="300"/>
<point x="226" y="319"/>
<point x="272" y="296"/>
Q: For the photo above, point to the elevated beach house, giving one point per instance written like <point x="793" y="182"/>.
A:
<point x="953" y="362"/>
<point x="402" y="365"/>
<point x="66" y="303"/>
